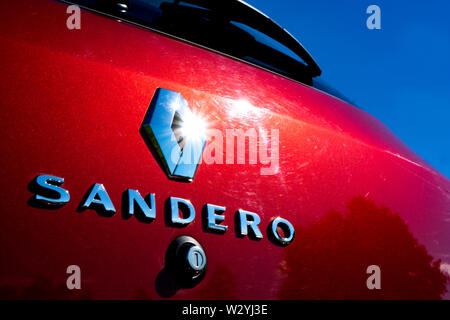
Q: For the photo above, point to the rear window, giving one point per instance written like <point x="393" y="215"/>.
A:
<point x="230" y="27"/>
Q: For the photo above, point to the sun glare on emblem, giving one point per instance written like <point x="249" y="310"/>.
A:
<point x="177" y="135"/>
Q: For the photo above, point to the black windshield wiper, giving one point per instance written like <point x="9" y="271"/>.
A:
<point x="231" y="27"/>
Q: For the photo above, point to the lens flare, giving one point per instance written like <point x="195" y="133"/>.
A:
<point x="193" y="127"/>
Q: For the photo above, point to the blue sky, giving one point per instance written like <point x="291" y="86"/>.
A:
<point x="400" y="74"/>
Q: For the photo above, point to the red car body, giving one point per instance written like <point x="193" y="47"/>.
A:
<point x="72" y="103"/>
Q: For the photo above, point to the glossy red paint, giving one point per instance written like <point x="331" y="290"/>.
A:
<point x="72" y="102"/>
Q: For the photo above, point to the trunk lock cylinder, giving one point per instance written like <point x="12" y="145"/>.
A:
<point x="186" y="261"/>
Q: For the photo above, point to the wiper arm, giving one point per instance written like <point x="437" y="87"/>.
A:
<point x="240" y="11"/>
<point x="215" y="25"/>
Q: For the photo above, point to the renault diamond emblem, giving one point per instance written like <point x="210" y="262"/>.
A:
<point x="175" y="133"/>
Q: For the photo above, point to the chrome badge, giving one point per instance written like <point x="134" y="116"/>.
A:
<point x="176" y="134"/>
